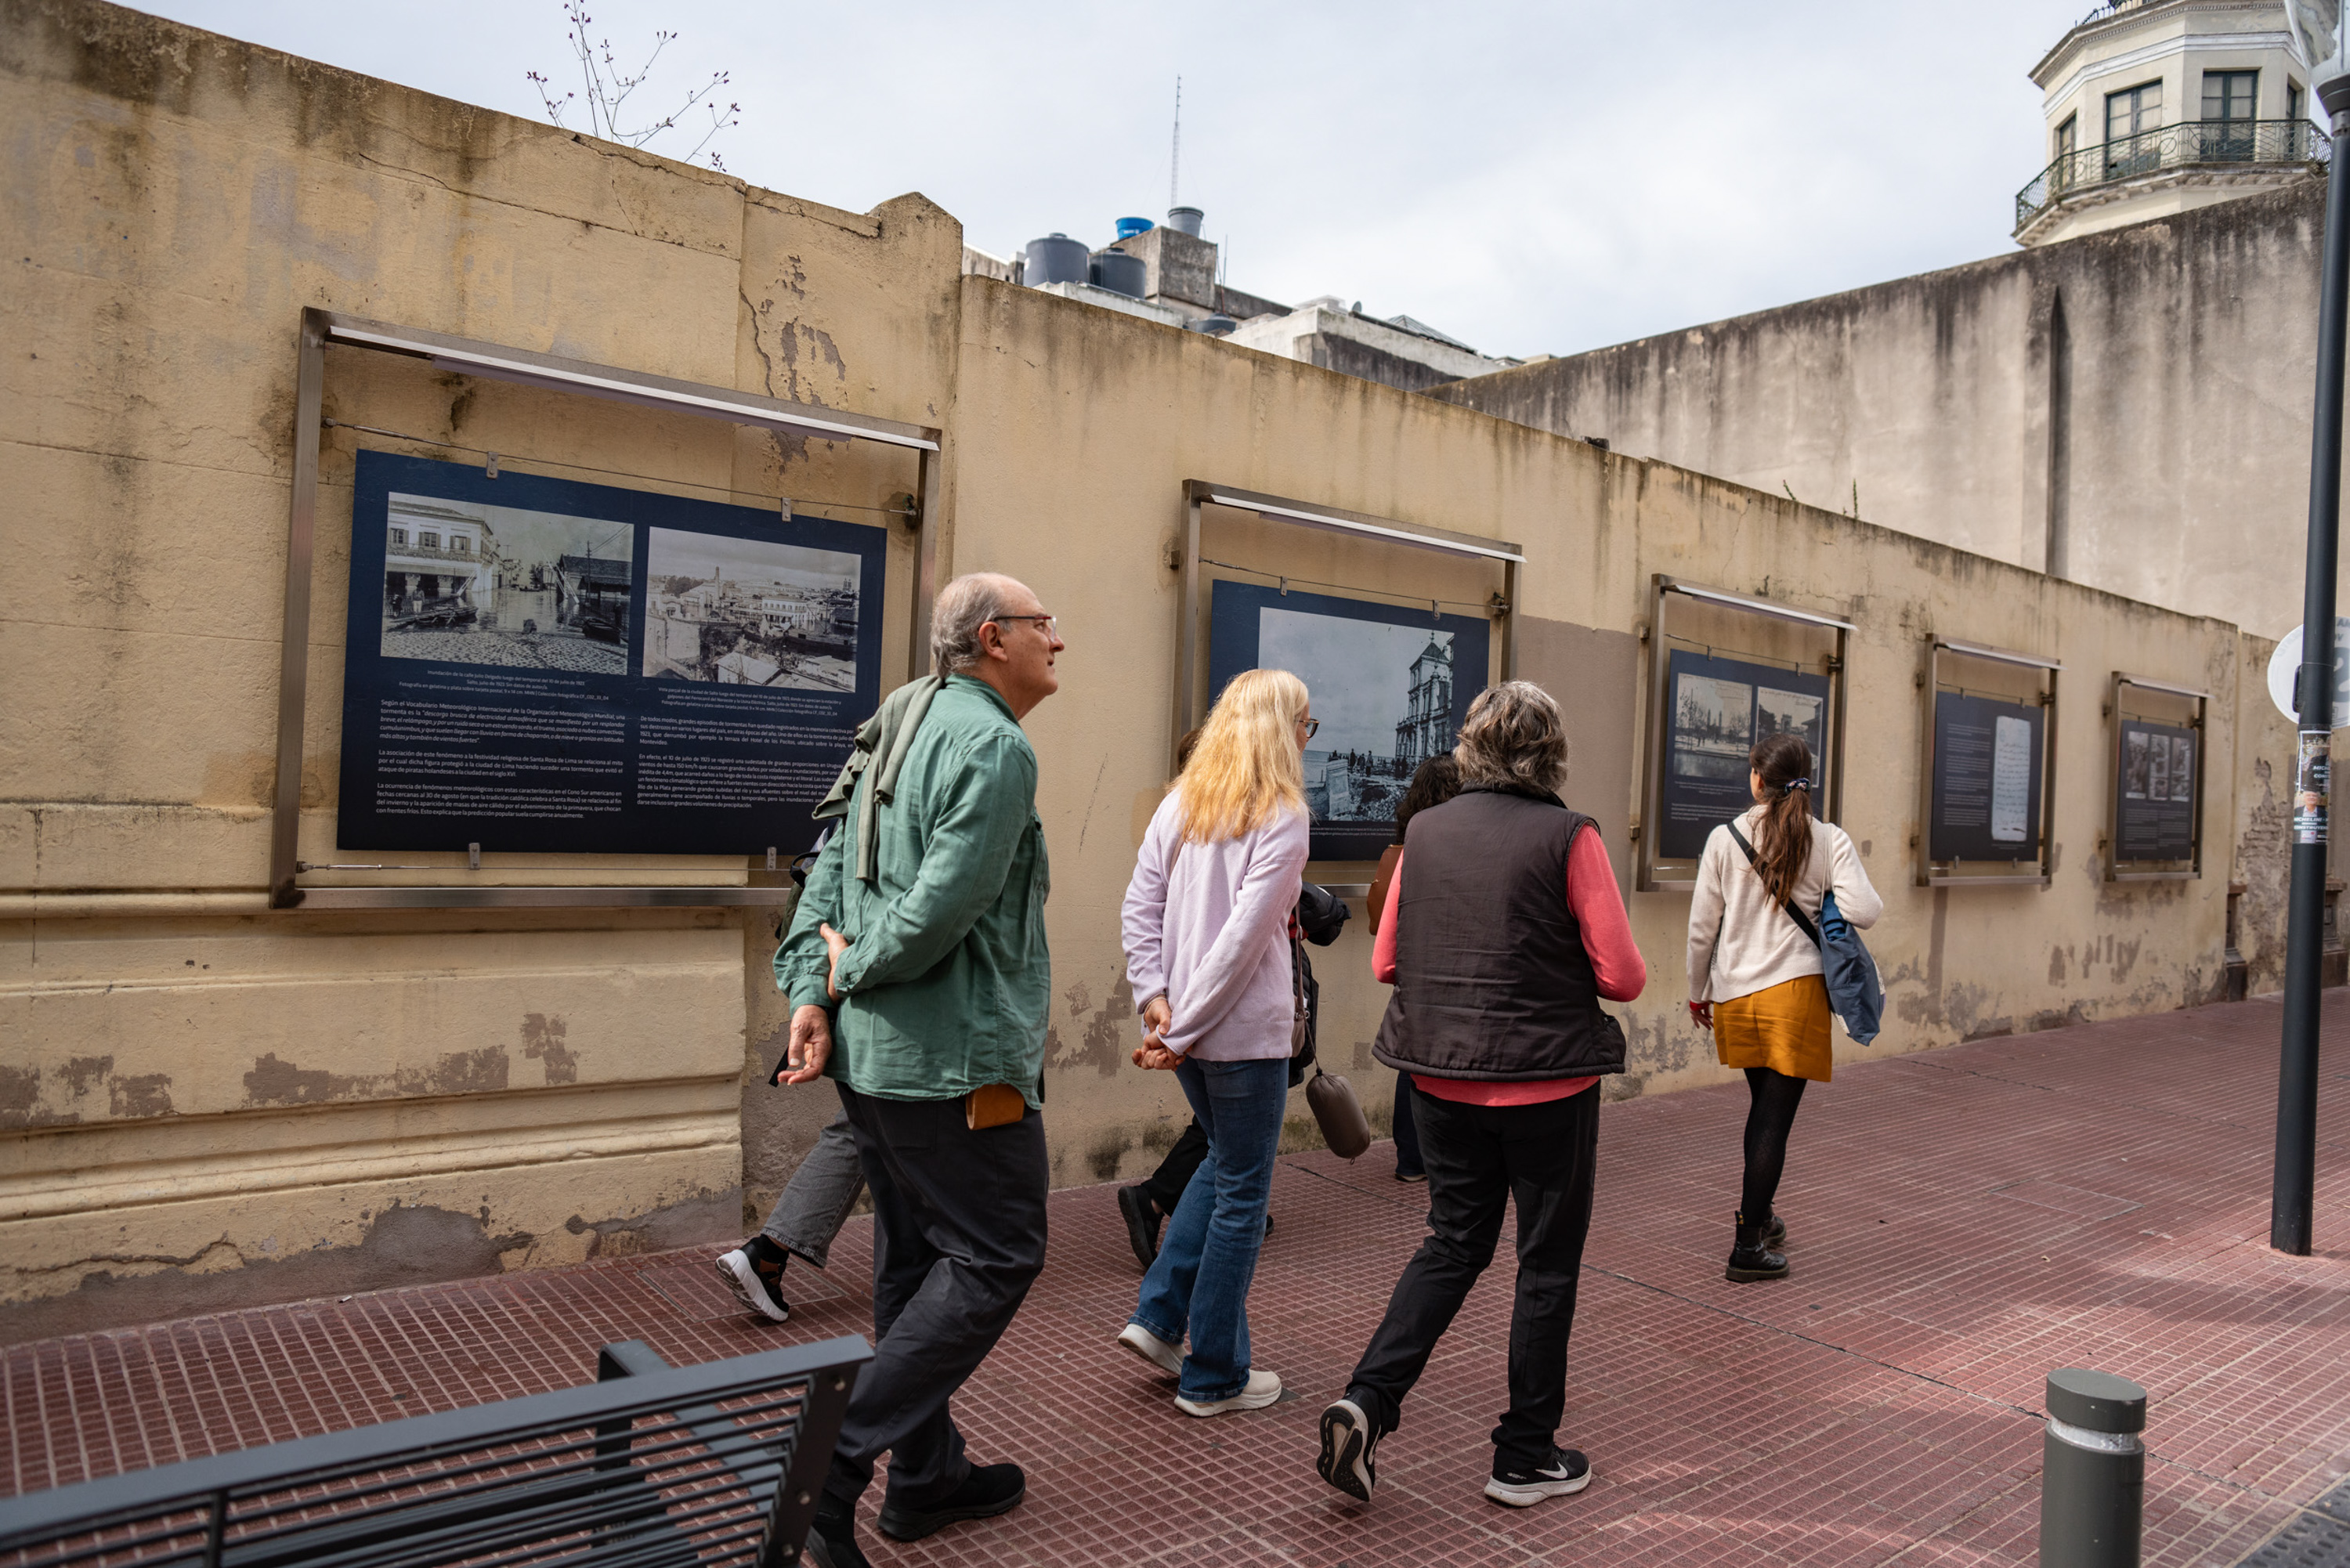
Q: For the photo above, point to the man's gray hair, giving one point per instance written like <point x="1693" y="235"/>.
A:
<point x="963" y="606"/>
<point x="1514" y="735"/>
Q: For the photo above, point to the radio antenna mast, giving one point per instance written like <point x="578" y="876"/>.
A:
<point x="1175" y="160"/>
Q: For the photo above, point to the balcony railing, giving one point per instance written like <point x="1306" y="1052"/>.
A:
<point x="2200" y="143"/>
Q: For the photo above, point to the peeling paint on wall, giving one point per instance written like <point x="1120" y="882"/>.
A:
<point x="273" y="1082"/>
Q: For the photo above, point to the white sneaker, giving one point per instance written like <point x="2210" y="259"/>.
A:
<point x="1264" y="1389"/>
<point x="1168" y="1358"/>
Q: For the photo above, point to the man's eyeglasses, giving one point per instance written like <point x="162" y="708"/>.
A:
<point x="1049" y="623"/>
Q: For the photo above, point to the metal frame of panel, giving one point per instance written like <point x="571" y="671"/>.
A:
<point x="1198" y="492"/>
<point x="1924" y="865"/>
<point x="322" y="329"/>
<point x="1654" y="745"/>
<point x="2202" y="699"/>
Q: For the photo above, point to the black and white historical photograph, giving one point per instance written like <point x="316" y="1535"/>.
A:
<point x="1795" y="713"/>
<point x="2182" y="769"/>
<point x="1713" y="727"/>
<point x="750" y="612"/>
<point x="468" y="583"/>
<point x="1384" y="695"/>
<point x="2137" y="763"/>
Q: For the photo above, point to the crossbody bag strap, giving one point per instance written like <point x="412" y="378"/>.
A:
<point x="1793" y="914"/>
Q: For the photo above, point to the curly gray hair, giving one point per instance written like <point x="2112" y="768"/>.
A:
<point x="963" y="606"/>
<point x="1514" y="735"/>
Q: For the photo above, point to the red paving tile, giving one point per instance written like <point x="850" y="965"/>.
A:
<point x="1962" y="1221"/>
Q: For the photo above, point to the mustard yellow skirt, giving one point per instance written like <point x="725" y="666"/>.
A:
<point x="1784" y="1028"/>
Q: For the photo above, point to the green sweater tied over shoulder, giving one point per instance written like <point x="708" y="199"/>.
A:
<point x="946" y="984"/>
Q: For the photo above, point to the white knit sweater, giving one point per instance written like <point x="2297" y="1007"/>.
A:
<point x="1740" y="942"/>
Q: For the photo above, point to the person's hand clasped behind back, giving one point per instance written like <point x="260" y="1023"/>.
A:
<point x="810" y="1047"/>
<point x="811" y="1038"/>
<point x="835" y="944"/>
<point x="1152" y="1053"/>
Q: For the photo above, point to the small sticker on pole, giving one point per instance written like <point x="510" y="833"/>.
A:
<point x="2311" y="785"/>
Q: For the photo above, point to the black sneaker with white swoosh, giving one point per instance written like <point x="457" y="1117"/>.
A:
<point x="1566" y="1473"/>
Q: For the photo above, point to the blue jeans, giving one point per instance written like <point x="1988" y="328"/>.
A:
<point x="1201" y="1281"/>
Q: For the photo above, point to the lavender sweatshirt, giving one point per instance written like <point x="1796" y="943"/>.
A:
<point x="1207" y="926"/>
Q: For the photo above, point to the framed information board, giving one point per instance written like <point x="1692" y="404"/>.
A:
<point x="1988" y="780"/>
<point x="545" y="665"/>
<point x="1709" y="704"/>
<point x="2155" y="811"/>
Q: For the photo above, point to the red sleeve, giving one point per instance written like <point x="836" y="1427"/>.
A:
<point x="1383" y="949"/>
<point x="1600" y="910"/>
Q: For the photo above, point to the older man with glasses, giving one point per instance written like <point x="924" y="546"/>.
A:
<point x="920" y="984"/>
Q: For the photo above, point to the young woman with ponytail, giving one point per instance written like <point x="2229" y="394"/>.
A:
<point x="1755" y="978"/>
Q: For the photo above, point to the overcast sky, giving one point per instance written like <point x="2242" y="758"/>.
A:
<point x="1537" y="178"/>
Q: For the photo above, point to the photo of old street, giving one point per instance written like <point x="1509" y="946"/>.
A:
<point x="1252" y="786"/>
<point x="470" y="584"/>
<point x="749" y="612"/>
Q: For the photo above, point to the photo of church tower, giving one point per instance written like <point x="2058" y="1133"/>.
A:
<point x="1426" y="730"/>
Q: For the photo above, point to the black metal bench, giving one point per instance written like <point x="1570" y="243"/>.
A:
<point x="650" y="1465"/>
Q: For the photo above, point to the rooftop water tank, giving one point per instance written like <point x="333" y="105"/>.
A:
<point x="1215" y="326"/>
<point x="1119" y="273"/>
<point x="1129" y="227"/>
<point x="1056" y="258"/>
<point x="1186" y="219"/>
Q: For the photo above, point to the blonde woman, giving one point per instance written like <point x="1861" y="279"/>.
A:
<point x="1207" y="951"/>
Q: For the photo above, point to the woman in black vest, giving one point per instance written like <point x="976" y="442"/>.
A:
<point x="1503" y="928"/>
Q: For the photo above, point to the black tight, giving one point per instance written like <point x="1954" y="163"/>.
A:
<point x="1776" y="1095"/>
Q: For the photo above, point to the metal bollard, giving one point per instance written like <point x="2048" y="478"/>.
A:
<point x="2093" y="1471"/>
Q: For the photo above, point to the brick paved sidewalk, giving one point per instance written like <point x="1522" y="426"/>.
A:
<point x="1962" y="1221"/>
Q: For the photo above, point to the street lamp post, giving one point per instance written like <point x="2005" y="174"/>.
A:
<point x="2323" y="46"/>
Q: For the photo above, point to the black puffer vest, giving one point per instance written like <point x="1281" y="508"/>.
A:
<point x="1492" y="979"/>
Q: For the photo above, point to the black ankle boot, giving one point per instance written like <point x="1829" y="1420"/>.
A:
<point x="1751" y="1258"/>
<point x="1775" y="1234"/>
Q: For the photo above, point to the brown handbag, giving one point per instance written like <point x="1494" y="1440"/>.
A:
<point x="1339" y="1113"/>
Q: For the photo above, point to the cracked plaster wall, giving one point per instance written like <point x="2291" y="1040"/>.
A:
<point x="199" y="1109"/>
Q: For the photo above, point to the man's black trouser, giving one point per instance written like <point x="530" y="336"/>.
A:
<point x="1480" y="1157"/>
<point x="958" y="1236"/>
<point x="1165" y="1185"/>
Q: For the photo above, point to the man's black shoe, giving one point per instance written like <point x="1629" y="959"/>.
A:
<point x="1142" y="1222"/>
<point x="988" y="1491"/>
<point x="832" y="1538"/>
<point x="1350" y="1446"/>
<point x="1566" y="1472"/>
<point x="754" y="1272"/>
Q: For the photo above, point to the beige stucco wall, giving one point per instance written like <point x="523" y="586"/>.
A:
<point x="219" y="1101"/>
<point x="1928" y="397"/>
<point x="201" y="1100"/>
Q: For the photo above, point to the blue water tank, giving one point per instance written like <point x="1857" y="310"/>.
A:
<point x="1129" y="227"/>
<point x="1119" y="273"/>
<point x="1056" y="258"/>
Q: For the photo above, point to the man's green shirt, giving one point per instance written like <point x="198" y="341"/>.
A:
<point x="946" y="983"/>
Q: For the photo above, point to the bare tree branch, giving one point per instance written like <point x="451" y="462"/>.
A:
<point x="608" y="89"/>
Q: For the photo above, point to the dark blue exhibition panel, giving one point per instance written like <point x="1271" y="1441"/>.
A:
<point x="1382" y="677"/>
<point x="1986" y="779"/>
<point x="541" y="665"/>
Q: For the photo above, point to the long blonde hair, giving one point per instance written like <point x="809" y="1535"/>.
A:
<point x="1247" y="765"/>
